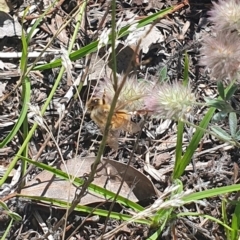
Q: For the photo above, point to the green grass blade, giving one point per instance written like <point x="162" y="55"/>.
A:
<point x="10" y="213"/>
<point x="4" y="205"/>
<point x="157" y="234"/>
<point x="211" y="193"/>
<point x="206" y="216"/>
<point x="178" y="153"/>
<point x="92" y="47"/>
<point x="185" y="72"/>
<point x="153" y="17"/>
<point x="236" y="222"/>
<point x="82" y="52"/>
<point x="181" y="165"/>
<point x="85" y="209"/>
<point x="23" y="113"/>
<point x="25" y="151"/>
<point x="34" y="127"/>
<point x="4" y="237"/>
<point x="37" y="22"/>
<point x="25" y="92"/>
<point x="221" y="91"/>
<point x="231" y="92"/>
<point x="225" y="219"/>
<point x="24" y="58"/>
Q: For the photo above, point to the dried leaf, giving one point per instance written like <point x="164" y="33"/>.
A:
<point x="2" y="88"/>
<point x="8" y="26"/>
<point x="147" y="39"/>
<point x="136" y="185"/>
<point x="5" y="6"/>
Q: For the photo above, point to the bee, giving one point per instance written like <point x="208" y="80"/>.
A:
<point x="121" y="119"/>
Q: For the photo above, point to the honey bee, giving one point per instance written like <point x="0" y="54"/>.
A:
<point x="121" y="119"/>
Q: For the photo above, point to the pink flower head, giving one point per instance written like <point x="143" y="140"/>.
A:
<point x="221" y="54"/>
<point x="226" y="15"/>
<point x="172" y="101"/>
<point x="131" y="95"/>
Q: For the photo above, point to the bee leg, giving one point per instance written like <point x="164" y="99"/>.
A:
<point x="104" y="97"/>
<point x="112" y="139"/>
<point x="112" y="143"/>
<point x="112" y="127"/>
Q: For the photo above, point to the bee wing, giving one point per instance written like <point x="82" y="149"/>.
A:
<point x="131" y="127"/>
<point x="122" y="121"/>
<point x="122" y="104"/>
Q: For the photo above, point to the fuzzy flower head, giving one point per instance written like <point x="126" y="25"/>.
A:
<point x="226" y="15"/>
<point x="221" y="54"/>
<point x="131" y="95"/>
<point x="171" y="101"/>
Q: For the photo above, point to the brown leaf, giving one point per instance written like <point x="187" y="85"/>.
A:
<point x="136" y="185"/>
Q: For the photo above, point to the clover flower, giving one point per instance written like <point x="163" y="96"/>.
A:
<point x="222" y="54"/>
<point x="171" y="101"/>
<point x="131" y="95"/>
<point x="226" y="15"/>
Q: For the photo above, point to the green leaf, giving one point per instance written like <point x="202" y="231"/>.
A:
<point x="235" y="222"/>
<point x="220" y="88"/>
<point x="219" y="104"/>
<point x="220" y="116"/>
<point x="233" y="123"/>
<point x="221" y="133"/>
<point x="237" y="136"/>
<point x="230" y="92"/>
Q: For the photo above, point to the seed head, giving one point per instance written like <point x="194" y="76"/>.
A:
<point x="221" y="54"/>
<point x="131" y="95"/>
<point x="171" y="101"/>
<point x="226" y="15"/>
